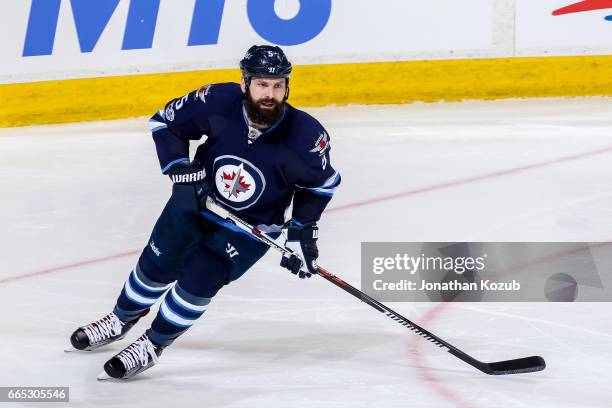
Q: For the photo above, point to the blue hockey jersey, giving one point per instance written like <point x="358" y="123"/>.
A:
<point x="255" y="175"/>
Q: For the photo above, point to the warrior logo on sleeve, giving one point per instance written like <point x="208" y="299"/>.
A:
<point x="239" y="183"/>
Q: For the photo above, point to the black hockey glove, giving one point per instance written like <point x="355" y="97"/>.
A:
<point x="192" y="175"/>
<point x="302" y="241"/>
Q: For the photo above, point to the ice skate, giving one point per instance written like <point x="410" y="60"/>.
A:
<point x="134" y="359"/>
<point x="100" y="333"/>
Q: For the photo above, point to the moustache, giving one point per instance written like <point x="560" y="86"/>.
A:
<point x="268" y="101"/>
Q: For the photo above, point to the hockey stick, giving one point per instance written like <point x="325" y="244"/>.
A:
<point x="516" y="366"/>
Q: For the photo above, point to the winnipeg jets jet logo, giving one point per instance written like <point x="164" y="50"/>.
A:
<point x="239" y="183"/>
<point x="321" y="145"/>
<point x="234" y="183"/>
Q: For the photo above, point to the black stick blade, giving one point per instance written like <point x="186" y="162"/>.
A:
<point x="518" y="366"/>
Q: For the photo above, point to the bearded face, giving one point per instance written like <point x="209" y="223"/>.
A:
<point x="264" y="101"/>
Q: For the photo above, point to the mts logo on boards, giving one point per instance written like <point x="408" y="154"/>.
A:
<point x="91" y="18"/>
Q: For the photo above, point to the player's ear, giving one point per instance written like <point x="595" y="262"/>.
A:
<point x="243" y="85"/>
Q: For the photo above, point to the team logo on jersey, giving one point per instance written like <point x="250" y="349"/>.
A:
<point x="202" y="92"/>
<point x="235" y="184"/>
<point x="239" y="183"/>
<point x="321" y="145"/>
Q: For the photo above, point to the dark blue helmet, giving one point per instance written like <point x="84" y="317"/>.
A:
<point x="265" y="61"/>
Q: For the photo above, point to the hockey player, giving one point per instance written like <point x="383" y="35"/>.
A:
<point x="260" y="155"/>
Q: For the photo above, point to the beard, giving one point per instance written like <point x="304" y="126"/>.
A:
<point x="260" y="116"/>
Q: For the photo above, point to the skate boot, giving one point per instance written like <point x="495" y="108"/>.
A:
<point x="135" y="358"/>
<point x="101" y="332"/>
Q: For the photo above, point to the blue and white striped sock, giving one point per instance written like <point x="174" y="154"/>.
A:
<point x="177" y="313"/>
<point x="139" y="293"/>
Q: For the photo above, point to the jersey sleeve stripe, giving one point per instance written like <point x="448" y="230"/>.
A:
<point x="327" y="188"/>
<point x="322" y="191"/>
<point x="333" y="180"/>
<point x="173" y="162"/>
<point x="155" y="125"/>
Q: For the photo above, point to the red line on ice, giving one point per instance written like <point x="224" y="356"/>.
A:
<point x="424" y="373"/>
<point x="468" y="180"/>
<point x="69" y="266"/>
<point x="361" y="203"/>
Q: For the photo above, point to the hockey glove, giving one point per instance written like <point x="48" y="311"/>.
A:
<point x="302" y="241"/>
<point x="192" y="175"/>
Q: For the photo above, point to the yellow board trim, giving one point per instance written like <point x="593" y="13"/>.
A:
<point x="314" y="85"/>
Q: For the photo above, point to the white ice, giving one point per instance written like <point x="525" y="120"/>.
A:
<point x="78" y="202"/>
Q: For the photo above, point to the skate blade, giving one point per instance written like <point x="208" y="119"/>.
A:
<point x="103" y="376"/>
<point x="71" y="349"/>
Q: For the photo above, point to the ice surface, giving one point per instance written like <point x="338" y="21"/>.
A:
<point x="78" y="203"/>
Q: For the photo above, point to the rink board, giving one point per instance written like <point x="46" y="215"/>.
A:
<point x="115" y="97"/>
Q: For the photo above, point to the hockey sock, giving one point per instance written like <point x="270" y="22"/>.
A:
<point x="177" y="313"/>
<point x="139" y="293"/>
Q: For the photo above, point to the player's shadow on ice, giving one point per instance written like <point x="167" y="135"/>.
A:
<point x="293" y="346"/>
<point x="326" y="345"/>
<point x="290" y="346"/>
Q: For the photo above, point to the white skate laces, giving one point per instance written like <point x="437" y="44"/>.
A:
<point x="108" y="326"/>
<point x="138" y="353"/>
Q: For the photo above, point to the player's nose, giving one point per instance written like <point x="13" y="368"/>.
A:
<point x="269" y="92"/>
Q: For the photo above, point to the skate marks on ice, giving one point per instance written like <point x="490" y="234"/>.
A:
<point x="311" y="347"/>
